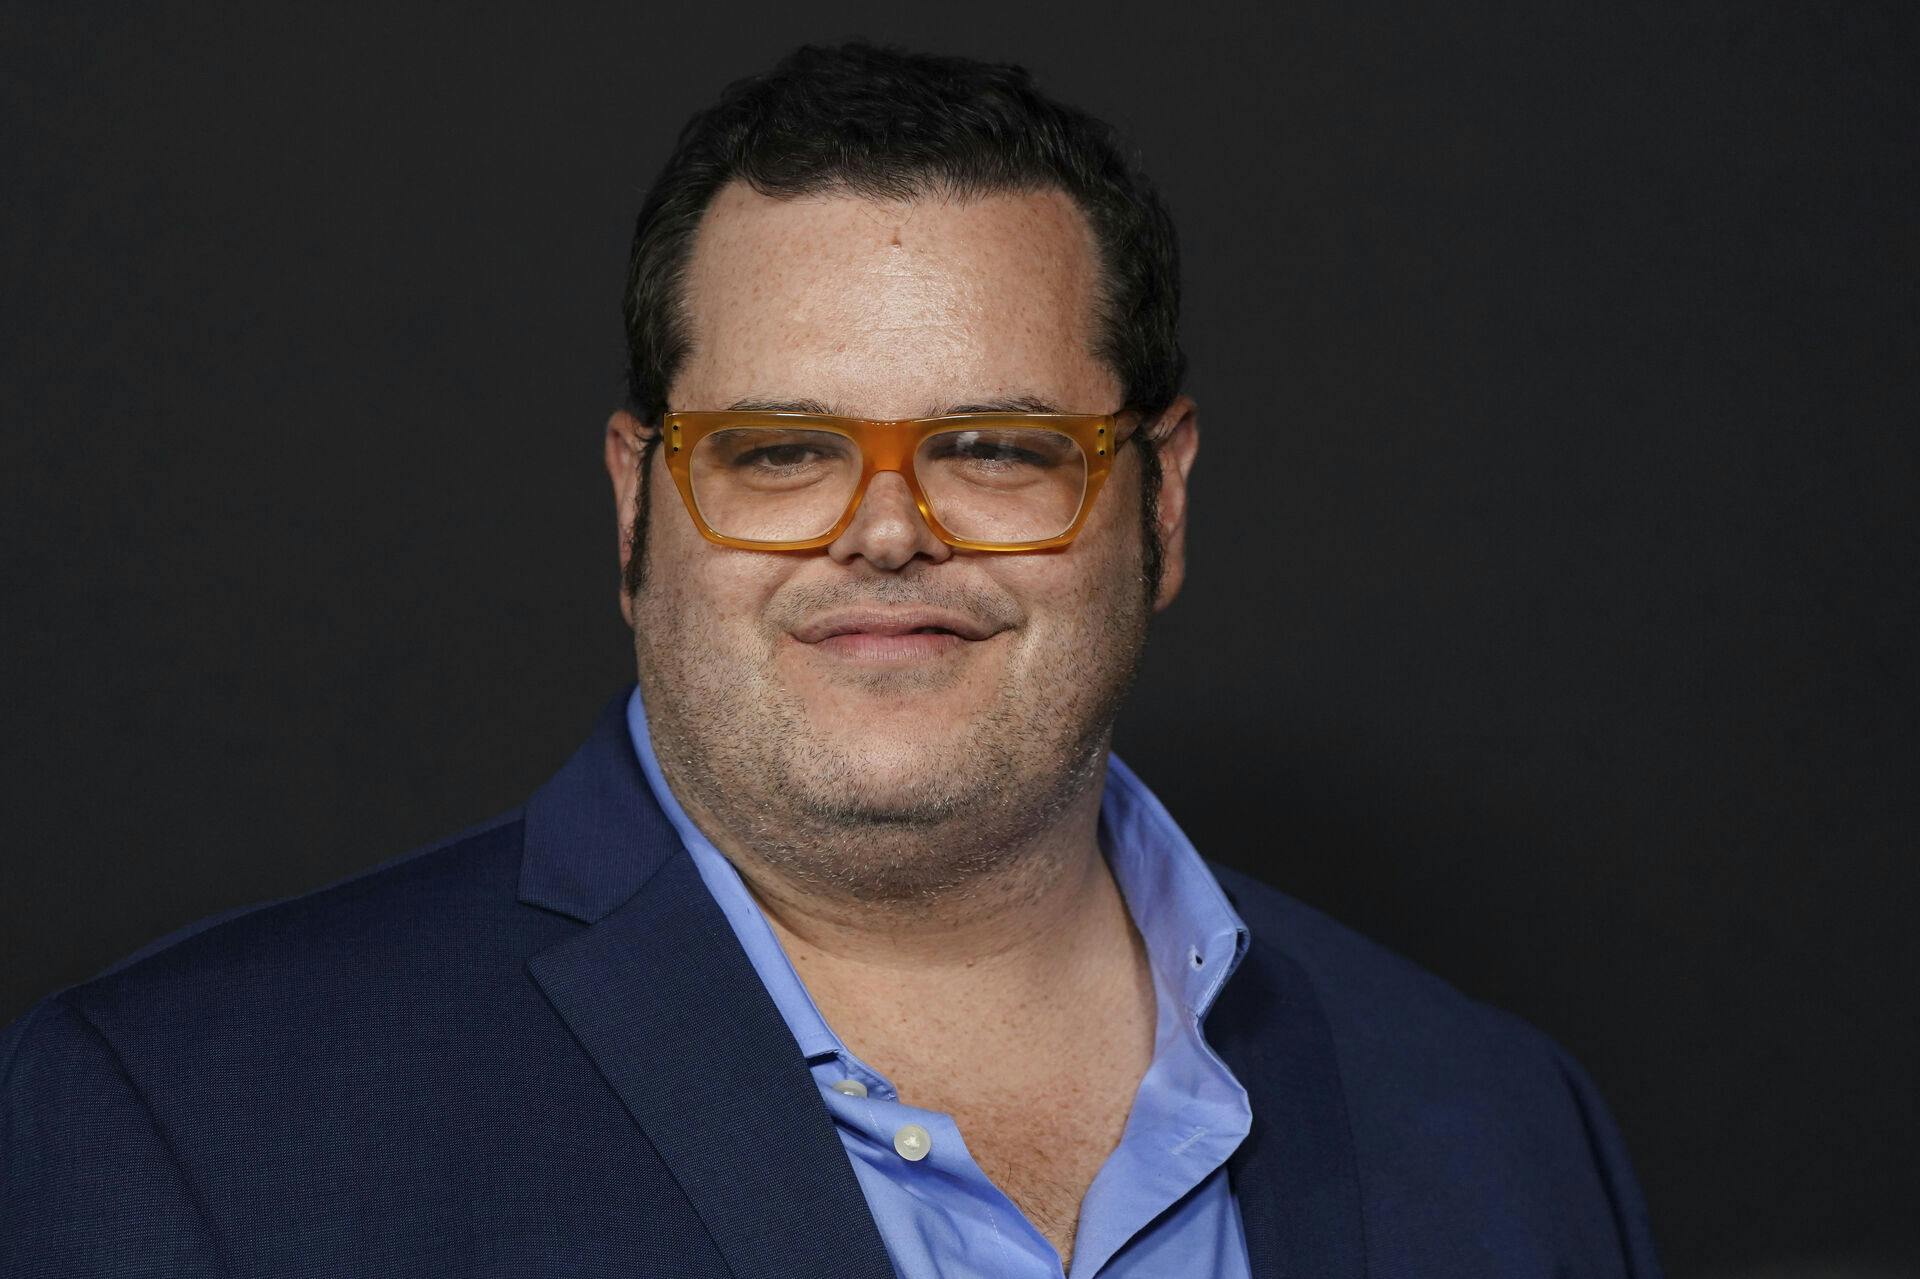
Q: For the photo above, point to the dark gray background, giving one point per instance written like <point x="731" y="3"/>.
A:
<point x="1552" y="608"/>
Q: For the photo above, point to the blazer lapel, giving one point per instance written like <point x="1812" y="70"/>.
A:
<point x="1294" y="1175"/>
<point x="660" y="994"/>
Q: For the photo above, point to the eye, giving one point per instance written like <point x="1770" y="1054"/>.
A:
<point x="778" y="457"/>
<point x="1000" y="449"/>
<point x="994" y="451"/>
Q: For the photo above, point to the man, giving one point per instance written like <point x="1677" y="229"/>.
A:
<point x="843" y="947"/>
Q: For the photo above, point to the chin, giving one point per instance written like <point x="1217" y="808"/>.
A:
<point x="896" y="769"/>
<point x="892" y="752"/>
<point x="897" y="713"/>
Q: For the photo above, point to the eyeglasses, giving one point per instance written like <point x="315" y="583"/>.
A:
<point x="773" y="481"/>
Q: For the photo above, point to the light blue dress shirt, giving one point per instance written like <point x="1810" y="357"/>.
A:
<point x="1161" y="1204"/>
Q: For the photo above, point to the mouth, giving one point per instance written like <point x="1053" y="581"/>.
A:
<point x="892" y="636"/>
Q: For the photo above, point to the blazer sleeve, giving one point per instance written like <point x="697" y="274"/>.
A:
<point x="1609" y="1152"/>
<point x="89" y="1185"/>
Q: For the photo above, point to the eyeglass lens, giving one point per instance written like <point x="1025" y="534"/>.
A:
<point x="782" y="484"/>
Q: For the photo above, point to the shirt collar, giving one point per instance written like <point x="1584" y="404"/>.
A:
<point x="1193" y="936"/>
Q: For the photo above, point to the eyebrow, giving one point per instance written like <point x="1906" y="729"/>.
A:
<point x="1011" y="404"/>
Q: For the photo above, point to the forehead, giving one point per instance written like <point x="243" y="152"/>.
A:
<point x="893" y="309"/>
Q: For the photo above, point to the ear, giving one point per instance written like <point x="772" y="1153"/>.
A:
<point x="624" y="435"/>
<point x="1176" y="438"/>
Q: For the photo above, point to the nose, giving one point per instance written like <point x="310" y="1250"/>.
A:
<point x="888" y="531"/>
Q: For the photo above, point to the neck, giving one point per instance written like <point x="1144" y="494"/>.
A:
<point x="1021" y="907"/>
<point x="1033" y="880"/>
<point x="1034" y="928"/>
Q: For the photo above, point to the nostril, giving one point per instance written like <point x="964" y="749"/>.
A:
<point x="888" y="528"/>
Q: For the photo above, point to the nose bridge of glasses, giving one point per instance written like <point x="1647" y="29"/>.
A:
<point x="887" y="446"/>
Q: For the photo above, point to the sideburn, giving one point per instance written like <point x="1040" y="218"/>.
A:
<point x="1152" y="554"/>
<point x="636" y="575"/>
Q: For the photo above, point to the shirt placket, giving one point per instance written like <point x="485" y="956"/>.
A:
<point x="923" y="1154"/>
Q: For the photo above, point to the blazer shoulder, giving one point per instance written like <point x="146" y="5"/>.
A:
<point x="1452" y="1103"/>
<point x="399" y="903"/>
<point x="1377" y="1000"/>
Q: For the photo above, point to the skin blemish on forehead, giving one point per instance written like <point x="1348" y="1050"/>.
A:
<point x="885" y="307"/>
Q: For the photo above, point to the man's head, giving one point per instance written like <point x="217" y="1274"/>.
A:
<point x="885" y="235"/>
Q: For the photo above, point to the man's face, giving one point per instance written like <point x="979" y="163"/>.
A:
<point x="785" y="701"/>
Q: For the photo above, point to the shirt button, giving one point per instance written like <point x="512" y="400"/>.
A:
<point x="850" y="1087"/>
<point x="912" y="1142"/>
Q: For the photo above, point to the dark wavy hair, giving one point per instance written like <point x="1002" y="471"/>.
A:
<point x="886" y="123"/>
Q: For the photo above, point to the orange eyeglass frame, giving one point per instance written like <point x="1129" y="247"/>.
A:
<point x="890" y="445"/>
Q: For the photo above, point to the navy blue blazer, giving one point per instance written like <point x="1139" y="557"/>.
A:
<point x="538" y="1049"/>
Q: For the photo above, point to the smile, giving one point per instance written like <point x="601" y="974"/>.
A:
<point x="870" y="646"/>
<point x="869" y="636"/>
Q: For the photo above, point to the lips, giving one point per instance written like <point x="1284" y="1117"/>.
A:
<point x="892" y="622"/>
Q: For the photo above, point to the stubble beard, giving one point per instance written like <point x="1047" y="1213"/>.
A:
<point x="976" y="806"/>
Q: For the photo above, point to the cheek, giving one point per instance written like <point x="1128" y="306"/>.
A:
<point x="1078" y="598"/>
<point x="1107" y="554"/>
<point x="695" y="589"/>
<point x="714" y="597"/>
